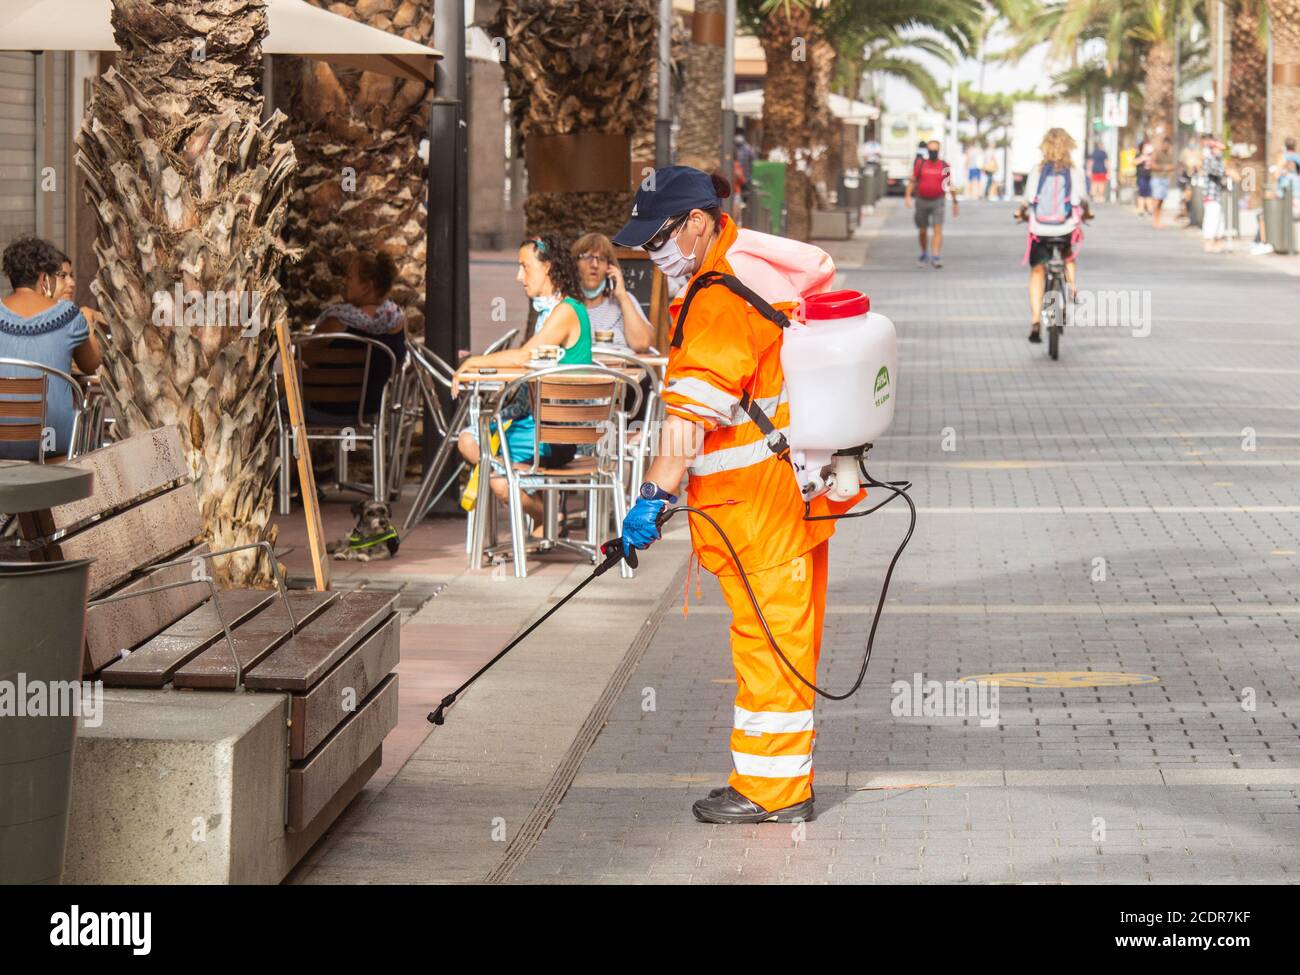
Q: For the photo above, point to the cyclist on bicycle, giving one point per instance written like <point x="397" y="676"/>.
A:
<point x="1055" y="202"/>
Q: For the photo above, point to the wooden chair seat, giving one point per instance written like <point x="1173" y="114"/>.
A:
<point x="579" y="467"/>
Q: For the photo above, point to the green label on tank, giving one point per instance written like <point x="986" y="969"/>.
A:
<point x="882" y="386"/>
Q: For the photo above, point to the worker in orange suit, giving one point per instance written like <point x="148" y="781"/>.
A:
<point x="723" y="349"/>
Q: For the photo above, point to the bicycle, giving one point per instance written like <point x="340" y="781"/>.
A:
<point x="1056" y="289"/>
<point x="1056" y="294"/>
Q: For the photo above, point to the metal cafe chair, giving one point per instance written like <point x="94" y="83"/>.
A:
<point x="24" y="404"/>
<point x="338" y="372"/>
<point x="640" y="441"/>
<point x="576" y="404"/>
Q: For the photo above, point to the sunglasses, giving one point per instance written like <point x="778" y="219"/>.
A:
<point x="661" y="238"/>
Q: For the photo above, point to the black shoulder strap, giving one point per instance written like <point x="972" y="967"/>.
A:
<point x="775" y="440"/>
<point x="773" y="437"/>
<point x="732" y="284"/>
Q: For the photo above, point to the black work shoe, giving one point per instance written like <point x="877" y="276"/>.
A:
<point x="714" y="793"/>
<point x="1036" y="335"/>
<point x="730" y="807"/>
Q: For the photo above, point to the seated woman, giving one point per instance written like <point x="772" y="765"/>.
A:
<point x="365" y="310"/>
<point x="37" y="326"/>
<point x="610" y="306"/>
<point x="550" y="279"/>
<point x="67" y="281"/>
<point x="616" y="316"/>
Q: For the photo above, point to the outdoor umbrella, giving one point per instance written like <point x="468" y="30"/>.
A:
<point x="294" y="27"/>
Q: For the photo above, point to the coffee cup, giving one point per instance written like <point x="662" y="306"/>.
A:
<point x="605" y="336"/>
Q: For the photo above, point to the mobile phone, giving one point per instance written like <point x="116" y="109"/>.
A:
<point x="609" y="284"/>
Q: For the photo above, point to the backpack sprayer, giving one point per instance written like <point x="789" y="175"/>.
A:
<point x="840" y="365"/>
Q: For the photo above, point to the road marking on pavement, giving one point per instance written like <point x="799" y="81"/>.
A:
<point x="1162" y="435"/>
<point x="1063" y="678"/>
<point x="861" y="780"/>
<point x="1189" y="509"/>
<point x="1048" y="609"/>
<point x="1098" y="408"/>
<point x="1009" y="464"/>
<point x="1109" y="370"/>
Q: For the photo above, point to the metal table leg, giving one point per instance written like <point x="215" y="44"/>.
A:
<point x="429" y="483"/>
<point x="484" y="491"/>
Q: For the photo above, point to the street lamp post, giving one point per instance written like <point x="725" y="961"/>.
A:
<point x="728" y="155"/>
<point x="446" y="279"/>
<point x="664" y="119"/>
<point x="1221" y="83"/>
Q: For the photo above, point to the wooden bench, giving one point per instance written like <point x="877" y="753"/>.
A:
<point x="156" y="619"/>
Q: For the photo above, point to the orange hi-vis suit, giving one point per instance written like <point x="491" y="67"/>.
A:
<point x="729" y="348"/>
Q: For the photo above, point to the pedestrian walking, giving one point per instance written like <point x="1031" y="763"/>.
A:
<point x="1162" y="171"/>
<point x="1099" y="170"/>
<point x="990" y="172"/>
<point x="1189" y="168"/>
<point x="1143" y="168"/>
<point x="931" y="181"/>
<point x="974" y="170"/>
<point x="1213" y="183"/>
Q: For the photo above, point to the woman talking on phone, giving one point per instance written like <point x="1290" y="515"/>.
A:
<point x="611" y="307"/>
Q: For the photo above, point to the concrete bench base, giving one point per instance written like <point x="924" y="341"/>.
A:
<point x="189" y="787"/>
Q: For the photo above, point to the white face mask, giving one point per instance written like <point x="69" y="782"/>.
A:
<point x="672" y="262"/>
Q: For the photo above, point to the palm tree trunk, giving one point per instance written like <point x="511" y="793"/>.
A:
<point x="578" y="73"/>
<point x="786" y="36"/>
<point x="360" y="182"/>
<point x="1284" y="22"/>
<point x="189" y="192"/>
<point x="1245" y="104"/>
<point x="1158" y="101"/>
<point x="824" y="128"/>
<point x="699" y="140"/>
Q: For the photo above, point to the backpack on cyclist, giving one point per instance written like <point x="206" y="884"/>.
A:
<point x="1052" y="205"/>
<point x="928" y="176"/>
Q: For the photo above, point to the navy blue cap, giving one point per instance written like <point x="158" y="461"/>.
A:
<point x="677" y="190"/>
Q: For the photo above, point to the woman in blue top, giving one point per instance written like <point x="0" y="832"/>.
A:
<point x="37" y="326"/>
<point x="549" y="275"/>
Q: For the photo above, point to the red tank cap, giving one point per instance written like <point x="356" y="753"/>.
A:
<point x="836" y="304"/>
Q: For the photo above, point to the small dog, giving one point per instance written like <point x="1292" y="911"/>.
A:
<point x="374" y="537"/>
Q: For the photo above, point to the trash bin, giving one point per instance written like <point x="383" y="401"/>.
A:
<point x="847" y="190"/>
<point x="769" y="181"/>
<point x="875" y="184"/>
<point x="40" y="657"/>
<point x="1231" y="209"/>
<point x="1279" y="223"/>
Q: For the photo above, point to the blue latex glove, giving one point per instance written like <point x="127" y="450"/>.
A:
<point x="639" y="527"/>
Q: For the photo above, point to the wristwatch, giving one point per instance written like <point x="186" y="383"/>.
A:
<point x="653" y="492"/>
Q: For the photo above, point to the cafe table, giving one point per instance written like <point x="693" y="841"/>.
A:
<point x="474" y="407"/>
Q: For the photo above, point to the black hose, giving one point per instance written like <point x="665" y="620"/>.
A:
<point x="898" y="488"/>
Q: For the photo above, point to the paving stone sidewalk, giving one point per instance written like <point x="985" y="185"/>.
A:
<point x="1131" y="509"/>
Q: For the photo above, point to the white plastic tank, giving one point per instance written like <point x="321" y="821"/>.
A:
<point x="841" y="367"/>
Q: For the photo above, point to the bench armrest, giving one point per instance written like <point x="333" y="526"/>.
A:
<point x="212" y="588"/>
